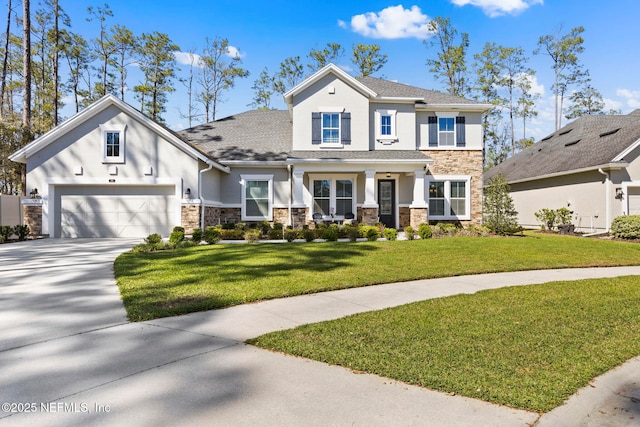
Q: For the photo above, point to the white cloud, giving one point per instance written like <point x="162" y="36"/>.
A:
<point x="233" y="52"/>
<point x="493" y="8"/>
<point x="631" y="97"/>
<point x="611" y="104"/>
<point x="342" y="24"/>
<point x="394" y="22"/>
<point x="187" y="58"/>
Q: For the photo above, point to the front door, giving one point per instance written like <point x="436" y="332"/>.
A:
<point x="387" y="202"/>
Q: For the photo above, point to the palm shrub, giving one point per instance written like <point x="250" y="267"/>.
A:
<point x="626" y="227"/>
<point x="500" y="215"/>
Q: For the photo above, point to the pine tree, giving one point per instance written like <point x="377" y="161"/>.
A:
<point x="499" y="213"/>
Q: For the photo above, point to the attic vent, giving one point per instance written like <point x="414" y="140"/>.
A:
<point x="571" y="143"/>
<point x="609" y="132"/>
<point x="565" y="132"/>
<point x="547" y="138"/>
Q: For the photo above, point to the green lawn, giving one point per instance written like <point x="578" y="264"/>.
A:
<point x="527" y="347"/>
<point x="169" y="283"/>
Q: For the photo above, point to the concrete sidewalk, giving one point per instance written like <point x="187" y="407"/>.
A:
<point x="195" y="370"/>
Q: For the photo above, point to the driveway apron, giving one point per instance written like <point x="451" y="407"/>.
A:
<point x="51" y="288"/>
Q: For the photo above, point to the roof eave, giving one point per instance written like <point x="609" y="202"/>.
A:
<point x="480" y="108"/>
<point x="613" y="166"/>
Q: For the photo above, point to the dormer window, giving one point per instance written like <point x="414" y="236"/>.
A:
<point x="331" y="128"/>
<point x="113" y="143"/>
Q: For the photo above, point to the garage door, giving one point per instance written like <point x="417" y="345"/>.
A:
<point x="125" y="212"/>
<point x="634" y="201"/>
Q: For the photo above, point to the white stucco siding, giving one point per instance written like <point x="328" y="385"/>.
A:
<point x="405" y="127"/>
<point x="584" y="194"/>
<point x="231" y="187"/>
<point x="343" y="98"/>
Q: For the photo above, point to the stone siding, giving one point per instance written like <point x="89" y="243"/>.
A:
<point x="33" y="218"/>
<point x="299" y="217"/>
<point x="211" y="216"/>
<point x="461" y="162"/>
<point x="368" y="216"/>
<point x="418" y="216"/>
<point x="230" y="215"/>
<point x="190" y="218"/>
<point x="405" y="216"/>
<point x="281" y="215"/>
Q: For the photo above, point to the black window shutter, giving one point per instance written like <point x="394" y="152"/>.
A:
<point x="433" y="131"/>
<point x="316" y="128"/>
<point x="345" y="131"/>
<point x="460" y="132"/>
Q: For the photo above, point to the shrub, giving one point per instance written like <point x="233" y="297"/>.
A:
<point x="252" y="236"/>
<point x="626" y="227"/>
<point x="563" y="216"/>
<point x="409" y="232"/>
<point x="275" y="234"/>
<point x="548" y="218"/>
<point x="22" y="231"/>
<point x="424" y="231"/>
<point x="500" y="215"/>
<point x="444" y="229"/>
<point x="153" y="239"/>
<point x="176" y="237"/>
<point x="240" y="226"/>
<point x="308" y="234"/>
<point x="473" y="230"/>
<point x="1" y="239"/>
<point x="196" y="236"/>
<point x="178" y="229"/>
<point x="212" y="235"/>
<point x="390" y="233"/>
<point x="350" y="232"/>
<point x="331" y="233"/>
<point x="6" y="231"/>
<point x="232" y="234"/>
<point x="290" y="234"/>
<point x="372" y="234"/>
<point x="265" y="227"/>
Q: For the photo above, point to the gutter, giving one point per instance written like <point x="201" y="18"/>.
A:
<point x="610" y="166"/>
<point x="290" y="170"/>
<point x="607" y="183"/>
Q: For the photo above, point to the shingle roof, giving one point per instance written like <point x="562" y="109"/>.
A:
<point x="263" y="135"/>
<point x="588" y="141"/>
<point x="379" y="155"/>
<point x="388" y="88"/>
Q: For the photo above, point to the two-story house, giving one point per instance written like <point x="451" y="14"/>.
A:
<point x="362" y="148"/>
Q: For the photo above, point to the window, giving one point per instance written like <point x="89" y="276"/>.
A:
<point x="256" y="197"/>
<point x="113" y="138"/>
<point x="385" y="126"/>
<point x="449" y="199"/>
<point x="333" y="196"/>
<point x="447" y="130"/>
<point x="331" y="129"/>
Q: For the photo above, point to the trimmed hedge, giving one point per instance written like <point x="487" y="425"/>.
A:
<point x="626" y="227"/>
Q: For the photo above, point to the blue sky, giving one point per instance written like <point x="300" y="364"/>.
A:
<point x="266" y="32"/>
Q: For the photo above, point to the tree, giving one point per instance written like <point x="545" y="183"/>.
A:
<point x="368" y="59"/>
<point x="5" y="58"/>
<point x="450" y="62"/>
<point x="585" y="102"/>
<point x="290" y="73"/>
<point x="78" y="56"/>
<point x="525" y="109"/>
<point x="105" y="49"/>
<point x="124" y="45"/>
<point x="158" y="64"/>
<point x="563" y="51"/>
<point x="220" y="69"/>
<point x="488" y="70"/>
<point x="499" y="212"/>
<point x="320" y="58"/>
<point x="263" y="89"/>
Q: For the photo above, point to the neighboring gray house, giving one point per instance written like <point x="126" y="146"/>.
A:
<point x="362" y="147"/>
<point x="590" y="166"/>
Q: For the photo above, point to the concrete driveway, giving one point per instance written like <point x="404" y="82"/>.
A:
<point x="52" y="288"/>
<point x="69" y="357"/>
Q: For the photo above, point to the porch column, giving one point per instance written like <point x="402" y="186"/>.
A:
<point x="298" y="189"/>
<point x="370" y="189"/>
<point x="418" y="189"/>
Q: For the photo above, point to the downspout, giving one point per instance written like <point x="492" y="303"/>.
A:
<point x="607" y="183"/>
<point x="200" y="195"/>
<point x="290" y="170"/>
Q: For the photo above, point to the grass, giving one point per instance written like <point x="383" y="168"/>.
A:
<point x="169" y="283"/>
<point x="526" y="347"/>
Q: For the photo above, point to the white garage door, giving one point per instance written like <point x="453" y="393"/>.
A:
<point x="634" y="201"/>
<point x="138" y="212"/>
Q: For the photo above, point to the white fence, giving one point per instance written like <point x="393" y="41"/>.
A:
<point x="10" y="210"/>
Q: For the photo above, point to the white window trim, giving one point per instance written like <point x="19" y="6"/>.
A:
<point x="332" y="195"/>
<point x="331" y="110"/>
<point x="243" y="180"/>
<point x="447" y="179"/>
<point x="120" y="128"/>
<point x="385" y="139"/>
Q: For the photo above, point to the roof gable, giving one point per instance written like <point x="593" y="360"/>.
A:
<point x="94" y="109"/>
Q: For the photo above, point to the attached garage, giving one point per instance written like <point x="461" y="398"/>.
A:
<point x="115" y="211"/>
<point x="634" y="200"/>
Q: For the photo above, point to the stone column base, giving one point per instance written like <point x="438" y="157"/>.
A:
<point x="418" y="216"/>
<point x="32" y="215"/>
<point x="368" y="216"/>
<point x="299" y="217"/>
<point x="190" y="218"/>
